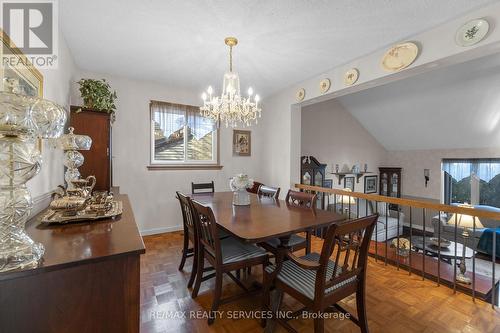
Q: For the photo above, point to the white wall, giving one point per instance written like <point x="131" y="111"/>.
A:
<point x="332" y="135"/>
<point x="56" y="87"/>
<point x="437" y="49"/>
<point x="152" y="193"/>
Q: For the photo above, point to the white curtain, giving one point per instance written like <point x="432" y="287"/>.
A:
<point x="484" y="169"/>
<point x="170" y="117"/>
<point x="199" y="126"/>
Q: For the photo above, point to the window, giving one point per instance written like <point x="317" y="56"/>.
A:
<point x="475" y="181"/>
<point x="181" y="136"/>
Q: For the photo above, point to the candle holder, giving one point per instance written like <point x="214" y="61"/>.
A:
<point x="23" y="119"/>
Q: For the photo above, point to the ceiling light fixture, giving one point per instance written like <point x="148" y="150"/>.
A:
<point x="231" y="108"/>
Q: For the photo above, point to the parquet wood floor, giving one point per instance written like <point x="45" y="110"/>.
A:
<point x="396" y="302"/>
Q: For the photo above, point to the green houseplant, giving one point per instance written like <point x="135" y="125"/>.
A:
<point x="97" y="95"/>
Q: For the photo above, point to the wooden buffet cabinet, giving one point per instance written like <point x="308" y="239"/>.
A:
<point x="88" y="280"/>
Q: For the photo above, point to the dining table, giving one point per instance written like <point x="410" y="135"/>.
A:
<point x="263" y="219"/>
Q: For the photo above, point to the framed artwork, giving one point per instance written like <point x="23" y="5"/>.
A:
<point x="349" y="183"/>
<point x="23" y="79"/>
<point x="371" y="183"/>
<point x="242" y="143"/>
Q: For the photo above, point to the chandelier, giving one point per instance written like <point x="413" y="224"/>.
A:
<point x="231" y="108"/>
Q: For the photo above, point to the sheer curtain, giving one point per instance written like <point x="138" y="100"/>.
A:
<point x="169" y="117"/>
<point x="199" y="126"/>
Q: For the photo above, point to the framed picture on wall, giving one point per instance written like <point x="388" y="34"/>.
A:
<point x="371" y="183"/>
<point x="242" y="143"/>
<point x="349" y="183"/>
<point x="328" y="183"/>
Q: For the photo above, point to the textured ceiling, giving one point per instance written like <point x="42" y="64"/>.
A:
<point x="453" y="107"/>
<point x="180" y="43"/>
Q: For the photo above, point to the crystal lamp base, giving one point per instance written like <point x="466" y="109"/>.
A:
<point x="21" y="252"/>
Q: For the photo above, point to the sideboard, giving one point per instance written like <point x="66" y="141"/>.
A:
<point x="88" y="281"/>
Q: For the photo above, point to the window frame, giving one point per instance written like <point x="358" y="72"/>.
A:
<point x="185" y="163"/>
<point x="475" y="181"/>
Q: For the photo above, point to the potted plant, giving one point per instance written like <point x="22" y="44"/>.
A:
<point x="97" y="95"/>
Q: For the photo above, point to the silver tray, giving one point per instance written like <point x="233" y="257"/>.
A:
<point x="85" y="215"/>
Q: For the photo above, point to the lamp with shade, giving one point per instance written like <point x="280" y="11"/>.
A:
<point x="345" y="200"/>
<point x="466" y="222"/>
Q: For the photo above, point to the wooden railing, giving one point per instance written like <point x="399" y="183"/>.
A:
<point x="405" y="202"/>
<point x="441" y="266"/>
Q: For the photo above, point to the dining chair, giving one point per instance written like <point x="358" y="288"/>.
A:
<point x="320" y="283"/>
<point x="300" y="200"/>
<point x="255" y="187"/>
<point x="225" y="255"/>
<point x="268" y="191"/>
<point x="202" y="187"/>
<point x="190" y="235"/>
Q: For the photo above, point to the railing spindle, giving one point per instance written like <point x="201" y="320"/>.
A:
<point x="397" y="237"/>
<point x="455" y="262"/>
<point x="493" y="266"/>
<point x="473" y="261"/>
<point x="423" y="238"/>
<point x="376" y="232"/>
<point x="439" y="250"/>
<point x="411" y="235"/>
<point x="349" y="204"/>
<point x="386" y="233"/>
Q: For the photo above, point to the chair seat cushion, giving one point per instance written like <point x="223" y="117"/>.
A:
<point x="294" y="241"/>
<point x="304" y="280"/>
<point x="234" y="250"/>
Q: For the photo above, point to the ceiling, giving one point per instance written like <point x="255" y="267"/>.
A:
<point x="452" y="107"/>
<point x="180" y="43"/>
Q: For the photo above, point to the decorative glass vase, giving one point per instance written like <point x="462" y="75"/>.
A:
<point x="73" y="159"/>
<point x="241" y="198"/>
<point x="23" y="119"/>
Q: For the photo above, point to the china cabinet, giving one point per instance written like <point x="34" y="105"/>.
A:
<point x="390" y="183"/>
<point x="312" y="172"/>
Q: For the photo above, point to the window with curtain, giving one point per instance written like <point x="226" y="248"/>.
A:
<point x="475" y="181"/>
<point x="180" y="135"/>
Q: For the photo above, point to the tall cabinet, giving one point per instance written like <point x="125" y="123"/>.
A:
<point x="390" y="183"/>
<point x="312" y="172"/>
<point x="98" y="161"/>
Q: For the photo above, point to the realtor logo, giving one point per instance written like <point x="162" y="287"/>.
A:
<point x="32" y="28"/>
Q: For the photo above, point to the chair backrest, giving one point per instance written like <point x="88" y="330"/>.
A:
<point x="255" y="187"/>
<point x="206" y="227"/>
<point x="187" y="215"/>
<point x="203" y="187"/>
<point x="268" y="191"/>
<point x="348" y="242"/>
<point x="301" y="199"/>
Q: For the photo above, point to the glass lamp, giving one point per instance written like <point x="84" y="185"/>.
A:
<point x="73" y="159"/>
<point x="23" y="119"/>
<point x="466" y="222"/>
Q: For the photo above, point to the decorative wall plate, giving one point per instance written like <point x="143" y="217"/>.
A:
<point x="324" y="85"/>
<point x="351" y="76"/>
<point x="301" y="94"/>
<point x="472" y="32"/>
<point x="399" y="57"/>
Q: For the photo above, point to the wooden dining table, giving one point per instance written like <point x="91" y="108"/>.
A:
<point x="265" y="218"/>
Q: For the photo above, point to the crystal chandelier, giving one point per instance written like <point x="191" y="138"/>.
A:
<point x="231" y="108"/>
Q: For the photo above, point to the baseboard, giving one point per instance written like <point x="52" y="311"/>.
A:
<point x="163" y="230"/>
<point x="41" y="202"/>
